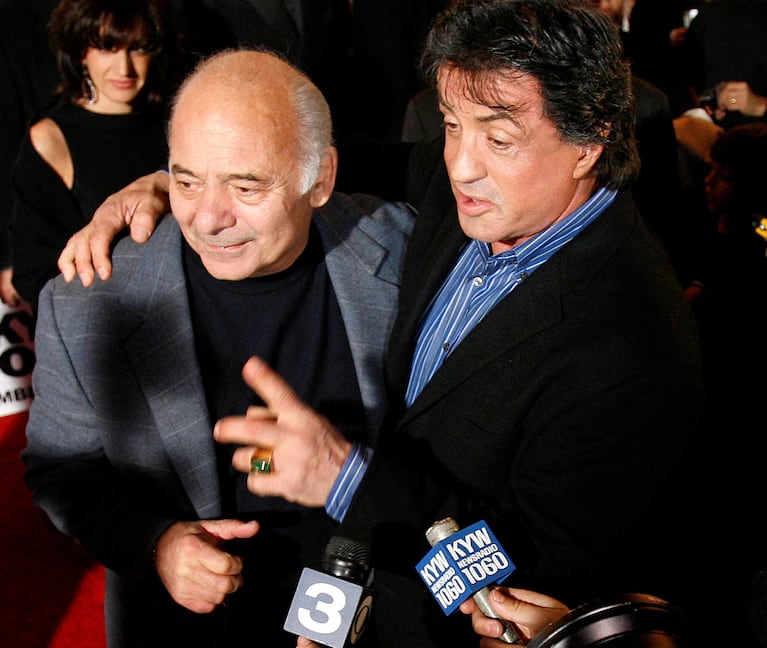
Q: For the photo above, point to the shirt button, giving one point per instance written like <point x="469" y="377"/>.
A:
<point x="446" y="346"/>
<point x="478" y="281"/>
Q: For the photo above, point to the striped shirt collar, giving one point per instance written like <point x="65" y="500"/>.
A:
<point x="479" y="280"/>
<point x="539" y="249"/>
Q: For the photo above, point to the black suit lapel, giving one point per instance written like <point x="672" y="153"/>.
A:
<point x="434" y="246"/>
<point x="533" y="306"/>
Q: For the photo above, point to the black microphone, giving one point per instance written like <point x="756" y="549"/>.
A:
<point x="332" y="606"/>
<point x="348" y="559"/>
<point x="444" y="529"/>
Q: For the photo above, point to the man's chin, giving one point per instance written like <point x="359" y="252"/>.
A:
<point x="233" y="270"/>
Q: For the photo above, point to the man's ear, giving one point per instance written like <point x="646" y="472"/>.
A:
<point x="326" y="178"/>
<point x="588" y="157"/>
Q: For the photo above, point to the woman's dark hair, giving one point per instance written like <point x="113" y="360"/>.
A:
<point x="77" y="25"/>
<point x="570" y="47"/>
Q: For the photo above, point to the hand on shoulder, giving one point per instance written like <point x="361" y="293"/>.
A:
<point x="139" y="206"/>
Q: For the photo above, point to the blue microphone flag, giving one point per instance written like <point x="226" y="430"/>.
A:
<point x="460" y="565"/>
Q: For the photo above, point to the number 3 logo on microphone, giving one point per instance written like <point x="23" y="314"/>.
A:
<point x="330" y="610"/>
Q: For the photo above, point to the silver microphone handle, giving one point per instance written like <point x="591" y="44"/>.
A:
<point x="444" y="529"/>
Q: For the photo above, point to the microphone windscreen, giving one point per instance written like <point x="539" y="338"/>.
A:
<point x="347" y="559"/>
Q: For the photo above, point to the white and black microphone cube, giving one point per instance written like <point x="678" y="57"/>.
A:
<point x="328" y="610"/>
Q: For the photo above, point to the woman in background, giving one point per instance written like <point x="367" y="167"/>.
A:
<point x="729" y="298"/>
<point x="118" y="63"/>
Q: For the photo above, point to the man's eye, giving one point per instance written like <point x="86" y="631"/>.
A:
<point x="498" y="143"/>
<point x="245" y="191"/>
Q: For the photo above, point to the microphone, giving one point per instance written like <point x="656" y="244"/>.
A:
<point x="348" y="559"/>
<point x="332" y="606"/>
<point x="445" y="528"/>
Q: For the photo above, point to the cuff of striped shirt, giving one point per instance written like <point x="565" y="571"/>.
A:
<point x="347" y="481"/>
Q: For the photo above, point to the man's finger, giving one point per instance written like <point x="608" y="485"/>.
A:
<point x="230" y="529"/>
<point x="259" y="413"/>
<point x="83" y="259"/>
<point x="66" y="260"/>
<point x="143" y="220"/>
<point x="270" y="386"/>
<point x="101" y="254"/>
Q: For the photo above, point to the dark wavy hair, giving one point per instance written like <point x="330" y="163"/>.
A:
<point x="77" y="25"/>
<point x="570" y="47"/>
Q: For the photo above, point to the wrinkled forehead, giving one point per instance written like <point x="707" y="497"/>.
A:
<point x="492" y="88"/>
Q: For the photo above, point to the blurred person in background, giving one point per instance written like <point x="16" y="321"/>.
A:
<point x="314" y="35"/>
<point x="105" y="127"/>
<point x="725" y="61"/>
<point x="28" y="76"/>
<point x="658" y="189"/>
<point x="728" y="295"/>
<point x="723" y="72"/>
<point x="653" y="37"/>
<point x="732" y="266"/>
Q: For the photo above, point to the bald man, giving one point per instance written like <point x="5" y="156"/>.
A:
<point x="262" y="257"/>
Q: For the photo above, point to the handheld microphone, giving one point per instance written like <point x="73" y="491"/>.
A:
<point x="332" y="606"/>
<point x="445" y="528"/>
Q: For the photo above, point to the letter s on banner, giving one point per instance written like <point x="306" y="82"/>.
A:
<point x="17" y="359"/>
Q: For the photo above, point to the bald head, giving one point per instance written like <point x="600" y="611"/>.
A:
<point x="258" y="89"/>
<point x="250" y="159"/>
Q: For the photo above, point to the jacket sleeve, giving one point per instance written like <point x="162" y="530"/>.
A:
<point x="67" y="465"/>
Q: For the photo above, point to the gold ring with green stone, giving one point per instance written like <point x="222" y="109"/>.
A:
<point x="261" y="460"/>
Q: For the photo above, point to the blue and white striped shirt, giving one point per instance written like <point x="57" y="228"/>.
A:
<point x="477" y="282"/>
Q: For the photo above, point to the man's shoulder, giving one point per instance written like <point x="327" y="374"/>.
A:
<point x="165" y="234"/>
<point x="345" y="211"/>
<point x="132" y="264"/>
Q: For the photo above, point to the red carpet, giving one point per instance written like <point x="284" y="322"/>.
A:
<point x="51" y="593"/>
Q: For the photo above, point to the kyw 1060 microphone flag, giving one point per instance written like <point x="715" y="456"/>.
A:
<point x="463" y="564"/>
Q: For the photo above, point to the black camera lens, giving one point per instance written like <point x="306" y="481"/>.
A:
<point x="628" y="621"/>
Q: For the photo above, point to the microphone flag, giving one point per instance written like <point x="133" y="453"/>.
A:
<point x="460" y="565"/>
